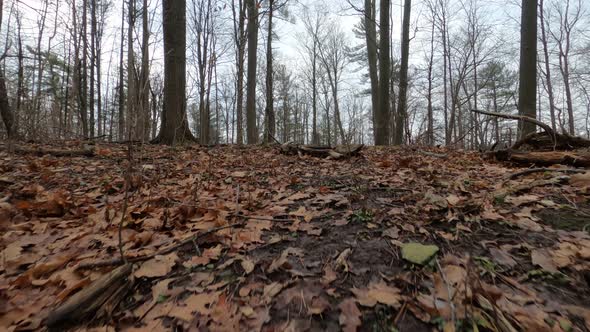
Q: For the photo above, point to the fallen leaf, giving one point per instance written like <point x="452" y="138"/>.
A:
<point x="350" y="315"/>
<point x="502" y="257"/>
<point x="378" y="292"/>
<point x="329" y="275"/>
<point x="542" y="258"/>
<point x="341" y="263"/>
<point x="158" y="266"/>
<point x="418" y="253"/>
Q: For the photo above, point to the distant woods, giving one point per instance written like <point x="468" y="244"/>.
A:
<point x="267" y="71"/>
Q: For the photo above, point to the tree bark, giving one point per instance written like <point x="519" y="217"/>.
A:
<point x="174" y="127"/>
<point x="239" y="16"/>
<point x="528" y="66"/>
<point x="372" y="54"/>
<point x="132" y="130"/>
<point x="251" y="130"/>
<point x="403" y="76"/>
<point x="144" y="82"/>
<point x="5" y="111"/>
<point x="548" y="79"/>
<point x="382" y="116"/>
<point x="270" y="112"/>
<point x="121" y="115"/>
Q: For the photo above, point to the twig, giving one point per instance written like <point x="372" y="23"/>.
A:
<point x="451" y="304"/>
<point x="545" y="126"/>
<point x="541" y="170"/>
<point x="432" y="154"/>
<point x="126" y="187"/>
<point x="164" y="251"/>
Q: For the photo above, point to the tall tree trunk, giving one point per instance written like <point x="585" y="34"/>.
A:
<point x="372" y="53"/>
<point x="132" y="130"/>
<point x="430" y="133"/>
<point x="270" y="112"/>
<point x="403" y="76"/>
<point x="315" y="139"/>
<point x="251" y="129"/>
<point x="174" y="128"/>
<point x="84" y="73"/>
<point x="382" y="116"/>
<point x="528" y="66"/>
<point x="144" y="84"/>
<point x="92" y="64"/>
<point x="548" y="79"/>
<point x="239" y="16"/>
<point x="121" y="115"/>
<point x="5" y="111"/>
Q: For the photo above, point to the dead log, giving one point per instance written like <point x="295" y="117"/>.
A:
<point x="546" y="158"/>
<point x="87" y="151"/>
<point x="106" y="290"/>
<point x="542" y="142"/>
<point x="548" y="141"/>
<point x="337" y="152"/>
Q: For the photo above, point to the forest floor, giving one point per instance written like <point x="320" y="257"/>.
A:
<point x="396" y="239"/>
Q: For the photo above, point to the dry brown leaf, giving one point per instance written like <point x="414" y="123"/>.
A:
<point x="158" y="266"/>
<point x="542" y="258"/>
<point x="341" y="262"/>
<point x="580" y="180"/>
<point x="503" y="257"/>
<point x="271" y="290"/>
<point x="378" y="292"/>
<point x="329" y="275"/>
<point x="350" y="315"/>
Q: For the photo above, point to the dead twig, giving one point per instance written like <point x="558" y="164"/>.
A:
<point x="164" y="251"/>
<point x="432" y="154"/>
<point x="542" y="170"/>
<point x="451" y="304"/>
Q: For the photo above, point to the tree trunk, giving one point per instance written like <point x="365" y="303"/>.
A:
<point x="270" y="112"/>
<point x="92" y="65"/>
<point x="174" y="127"/>
<point x="251" y="129"/>
<point x="239" y="17"/>
<point x="5" y="111"/>
<point x="403" y="76"/>
<point x="144" y="83"/>
<point x="371" y="39"/>
<point x="121" y="115"/>
<point x="382" y="116"/>
<point x="548" y="80"/>
<point x="132" y="130"/>
<point x="528" y="66"/>
<point x="430" y="133"/>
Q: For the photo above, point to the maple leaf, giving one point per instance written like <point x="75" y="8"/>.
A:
<point x="378" y="292"/>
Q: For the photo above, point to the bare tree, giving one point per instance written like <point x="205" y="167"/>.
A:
<point x="563" y="38"/>
<point x="382" y="115"/>
<point x="403" y="79"/>
<point x="528" y="66"/>
<point x="174" y="128"/>
<point x="252" y="131"/>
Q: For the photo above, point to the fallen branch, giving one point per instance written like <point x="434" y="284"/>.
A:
<point x="545" y="126"/>
<point x="89" y="300"/>
<point x="338" y="152"/>
<point x="88" y="151"/>
<point x="432" y="154"/>
<point x="164" y="251"/>
<point x="543" y="170"/>
<point x="547" y="158"/>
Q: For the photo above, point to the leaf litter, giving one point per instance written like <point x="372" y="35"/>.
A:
<point x="233" y="238"/>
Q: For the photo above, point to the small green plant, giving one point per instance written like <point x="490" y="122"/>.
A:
<point x="363" y="216"/>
